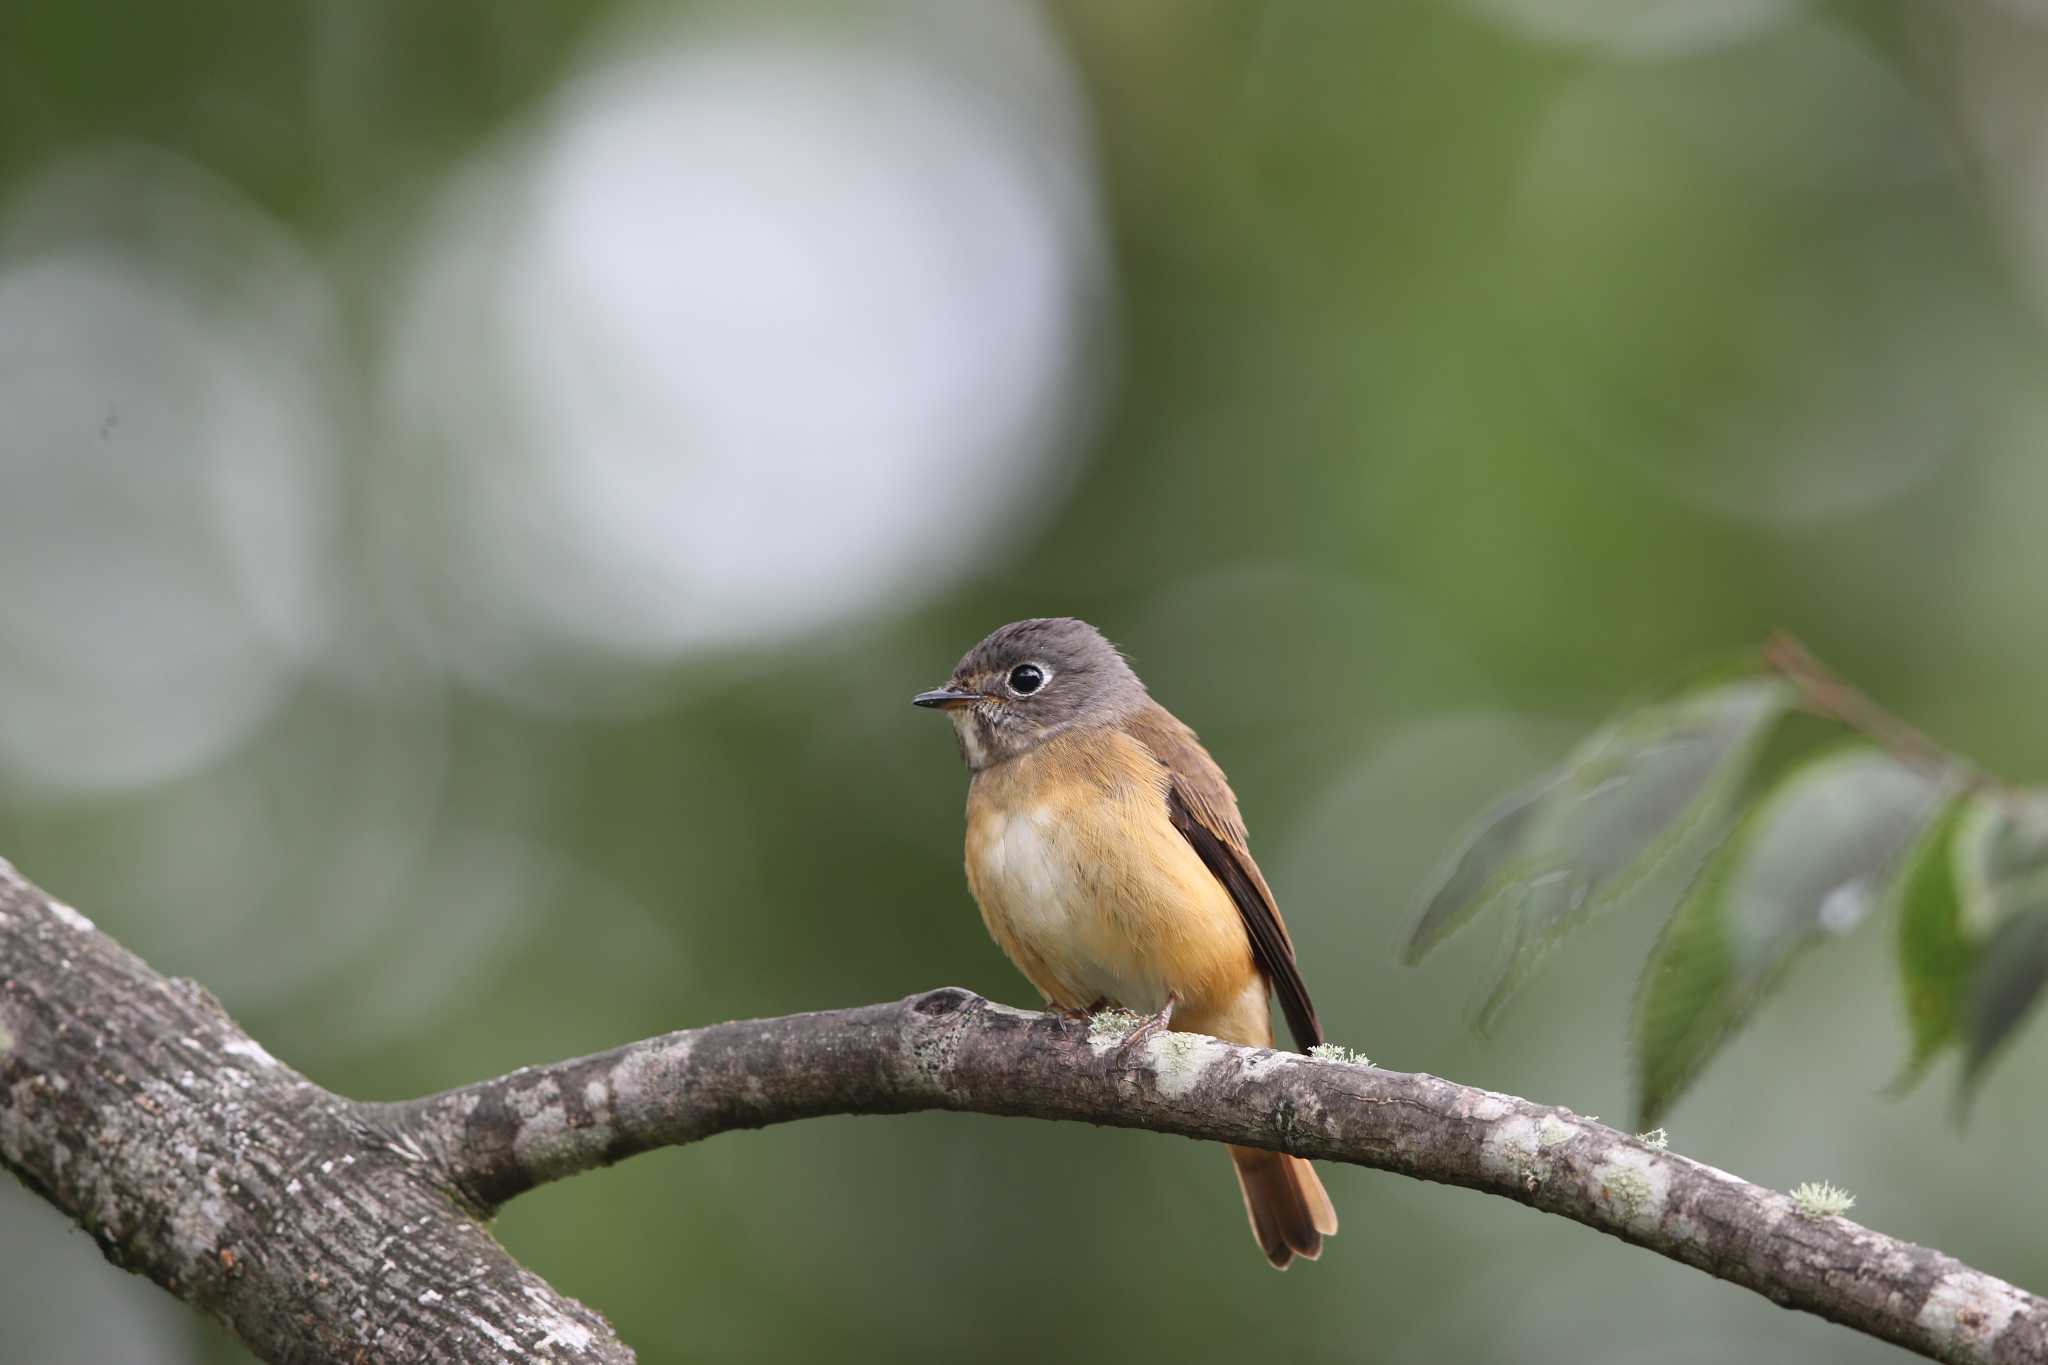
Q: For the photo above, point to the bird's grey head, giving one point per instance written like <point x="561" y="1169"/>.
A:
<point x="1031" y="680"/>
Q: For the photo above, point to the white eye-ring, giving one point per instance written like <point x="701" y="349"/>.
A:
<point x="1028" y="678"/>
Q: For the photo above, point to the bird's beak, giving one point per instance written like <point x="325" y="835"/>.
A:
<point x="946" y="698"/>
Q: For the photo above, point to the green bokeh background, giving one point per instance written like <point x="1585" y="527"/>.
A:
<point x="1471" y="368"/>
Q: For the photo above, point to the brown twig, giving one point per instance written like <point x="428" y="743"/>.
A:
<point x="1827" y="693"/>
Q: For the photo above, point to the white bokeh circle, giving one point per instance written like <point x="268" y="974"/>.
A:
<point x="758" y="329"/>
<point x="164" y="470"/>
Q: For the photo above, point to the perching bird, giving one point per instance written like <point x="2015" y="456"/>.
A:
<point x="1105" y="848"/>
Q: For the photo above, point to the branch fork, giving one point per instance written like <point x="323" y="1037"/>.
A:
<point x="324" y="1229"/>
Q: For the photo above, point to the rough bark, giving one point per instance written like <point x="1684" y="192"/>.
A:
<point x="321" y="1229"/>
<point x="134" y="1104"/>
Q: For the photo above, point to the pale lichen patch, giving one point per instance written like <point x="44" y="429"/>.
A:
<point x="249" y="1050"/>
<point x="1967" y="1312"/>
<point x="648" y="1068"/>
<point x="6" y="1040"/>
<point x="562" y="1332"/>
<point x="70" y="916"/>
<point x="1335" y="1052"/>
<point x="1554" y="1131"/>
<point x="1637" y="1184"/>
<point x="546" y="1137"/>
<point x="1259" y="1064"/>
<point x="1511" y="1150"/>
<point x="556" y="1328"/>
<point x="1180" y="1059"/>
<point x="502" y="1341"/>
<point x="198" y="1221"/>
<point x="1106" y="1028"/>
<point x="1821" y="1199"/>
<point x="1490" y="1108"/>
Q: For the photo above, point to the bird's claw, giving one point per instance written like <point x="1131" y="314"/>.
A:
<point x="1150" y="1026"/>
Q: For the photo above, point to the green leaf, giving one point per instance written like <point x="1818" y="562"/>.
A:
<point x="1935" y="951"/>
<point x="1626" y="801"/>
<point x="1807" y="862"/>
<point x="2003" y="988"/>
<point x="1984" y="865"/>
<point x="2001" y="860"/>
<point x="1468" y="884"/>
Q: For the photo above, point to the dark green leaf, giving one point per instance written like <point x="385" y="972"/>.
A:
<point x="2000" y="862"/>
<point x="2003" y="988"/>
<point x="1791" y="741"/>
<point x="1468" y="884"/>
<point x="1682" y="1002"/>
<point x="1935" y="951"/>
<point x="1628" y="799"/>
<point x="1964" y="965"/>
<point x="1806" y="863"/>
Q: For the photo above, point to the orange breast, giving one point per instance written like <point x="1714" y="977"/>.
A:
<point x="1095" y="896"/>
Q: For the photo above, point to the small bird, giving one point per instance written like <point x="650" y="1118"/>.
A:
<point x="1106" y="852"/>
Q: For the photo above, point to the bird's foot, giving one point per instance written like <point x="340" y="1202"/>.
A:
<point x="1072" y="1015"/>
<point x="1149" y="1026"/>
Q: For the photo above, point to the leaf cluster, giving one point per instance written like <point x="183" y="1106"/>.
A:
<point x="1794" y="832"/>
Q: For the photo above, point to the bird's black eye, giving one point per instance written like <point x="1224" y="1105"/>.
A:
<point x="1026" y="679"/>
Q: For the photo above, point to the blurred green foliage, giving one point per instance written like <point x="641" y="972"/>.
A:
<point x="1465" y="367"/>
<point x="1791" y="834"/>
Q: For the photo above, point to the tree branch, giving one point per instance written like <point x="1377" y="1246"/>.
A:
<point x="135" y="1105"/>
<point x="322" y="1229"/>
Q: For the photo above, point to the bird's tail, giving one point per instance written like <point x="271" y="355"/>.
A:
<point x="1290" y="1211"/>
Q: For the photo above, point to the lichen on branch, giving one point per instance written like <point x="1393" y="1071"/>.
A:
<point x="323" y="1229"/>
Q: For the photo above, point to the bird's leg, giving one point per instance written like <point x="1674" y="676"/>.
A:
<point x="1072" y="1015"/>
<point x="1151" y="1024"/>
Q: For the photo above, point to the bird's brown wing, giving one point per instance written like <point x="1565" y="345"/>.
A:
<point x="1200" y="803"/>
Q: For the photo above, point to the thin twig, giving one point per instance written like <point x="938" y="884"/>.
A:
<point x="1827" y="693"/>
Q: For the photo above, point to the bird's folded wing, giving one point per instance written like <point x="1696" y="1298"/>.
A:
<point x="1202" y="808"/>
